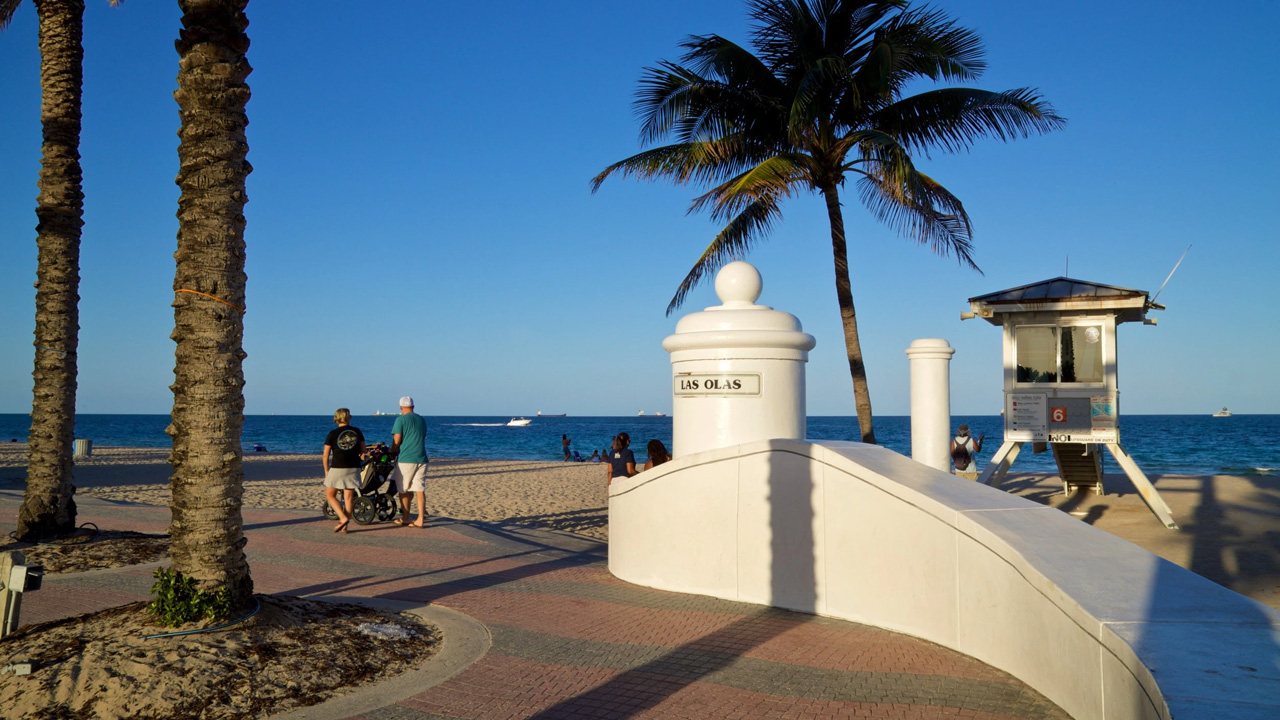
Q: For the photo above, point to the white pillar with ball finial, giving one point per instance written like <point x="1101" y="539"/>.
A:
<point x="737" y="369"/>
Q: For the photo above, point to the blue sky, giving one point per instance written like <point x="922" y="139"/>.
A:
<point x="420" y="219"/>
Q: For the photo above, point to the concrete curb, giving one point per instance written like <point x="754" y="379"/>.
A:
<point x="465" y="640"/>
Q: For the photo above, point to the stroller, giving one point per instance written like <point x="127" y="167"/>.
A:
<point x="376" y="497"/>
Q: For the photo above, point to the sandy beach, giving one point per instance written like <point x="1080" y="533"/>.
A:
<point x="1229" y="526"/>
<point x="560" y="496"/>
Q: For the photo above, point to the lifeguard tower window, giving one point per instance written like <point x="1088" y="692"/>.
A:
<point x="1053" y="354"/>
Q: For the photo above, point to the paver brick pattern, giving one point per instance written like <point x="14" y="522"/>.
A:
<point x="572" y="641"/>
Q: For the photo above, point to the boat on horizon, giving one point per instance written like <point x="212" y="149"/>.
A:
<point x="1223" y="413"/>
<point x="540" y="414"/>
<point x="379" y="413"/>
<point x="519" y="422"/>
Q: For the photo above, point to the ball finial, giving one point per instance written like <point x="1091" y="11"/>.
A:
<point x="739" y="283"/>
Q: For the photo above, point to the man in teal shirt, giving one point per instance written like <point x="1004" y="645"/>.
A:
<point x="409" y="444"/>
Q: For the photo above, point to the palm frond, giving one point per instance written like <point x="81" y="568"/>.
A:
<point x="777" y="177"/>
<point x="675" y="101"/>
<point x="664" y="99"/>
<point x="953" y="118"/>
<point x="731" y="243"/>
<point x="938" y="48"/>
<point x="682" y="163"/>
<point x="735" y="66"/>
<point x="879" y="153"/>
<point x="775" y="29"/>
<point x="817" y="93"/>
<point x="7" y="10"/>
<point x="921" y="210"/>
<point x="908" y="46"/>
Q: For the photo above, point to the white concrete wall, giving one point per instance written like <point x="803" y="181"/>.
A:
<point x="1098" y="625"/>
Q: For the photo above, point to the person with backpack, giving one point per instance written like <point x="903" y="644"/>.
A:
<point x="964" y="453"/>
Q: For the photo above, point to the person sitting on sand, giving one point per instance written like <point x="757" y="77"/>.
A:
<point x="409" y="444"/>
<point x="595" y="456"/>
<point x="622" y="462"/>
<point x="341" y="460"/>
<point x="657" y="454"/>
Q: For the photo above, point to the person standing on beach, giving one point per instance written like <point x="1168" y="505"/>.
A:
<point x="622" y="462"/>
<point x="409" y="445"/>
<point x="341" y="461"/>
<point x="964" y="452"/>
<point x="564" y="440"/>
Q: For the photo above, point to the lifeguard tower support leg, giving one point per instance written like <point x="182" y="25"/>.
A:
<point x="993" y="474"/>
<point x="1148" y="491"/>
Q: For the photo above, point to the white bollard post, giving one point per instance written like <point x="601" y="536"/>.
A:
<point x="931" y="402"/>
<point x="737" y="369"/>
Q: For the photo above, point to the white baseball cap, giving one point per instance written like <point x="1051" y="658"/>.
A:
<point x="406" y="401"/>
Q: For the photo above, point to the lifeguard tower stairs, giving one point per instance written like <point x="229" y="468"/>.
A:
<point x="1079" y="466"/>
<point x="1061" y="381"/>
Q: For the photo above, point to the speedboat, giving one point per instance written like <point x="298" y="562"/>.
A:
<point x="519" y="422"/>
<point x="1223" y="413"/>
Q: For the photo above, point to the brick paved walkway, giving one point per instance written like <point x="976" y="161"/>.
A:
<point x="572" y="641"/>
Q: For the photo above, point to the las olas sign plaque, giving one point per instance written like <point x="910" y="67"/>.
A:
<point x="716" y="384"/>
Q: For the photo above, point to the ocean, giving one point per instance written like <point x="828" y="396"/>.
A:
<point x="1195" y="444"/>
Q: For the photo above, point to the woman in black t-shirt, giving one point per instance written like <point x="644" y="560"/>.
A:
<point x="343" y="449"/>
<point x="622" y="462"/>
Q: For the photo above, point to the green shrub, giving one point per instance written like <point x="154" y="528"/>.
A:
<point x="177" y="601"/>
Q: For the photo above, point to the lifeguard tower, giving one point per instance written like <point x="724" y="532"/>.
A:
<point x="1060" y="387"/>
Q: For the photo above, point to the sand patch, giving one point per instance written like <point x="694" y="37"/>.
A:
<point x="293" y="653"/>
<point x="89" y="549"/>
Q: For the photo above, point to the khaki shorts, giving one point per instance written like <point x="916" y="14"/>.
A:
<point x="343" y="478"/>
<point x="411" y="477"/>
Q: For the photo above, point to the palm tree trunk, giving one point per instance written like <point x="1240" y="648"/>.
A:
<point x="48" y="509"/>
<point x="844" y="294"/>
<point x="207" y="528"/>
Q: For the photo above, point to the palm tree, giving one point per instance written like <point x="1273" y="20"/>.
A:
<point x="822" y="98"/>
<point x="48" y="509"/>
<point x="207" y="529"/>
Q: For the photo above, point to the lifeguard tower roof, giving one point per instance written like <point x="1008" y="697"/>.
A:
<point x="1064" y="294"/>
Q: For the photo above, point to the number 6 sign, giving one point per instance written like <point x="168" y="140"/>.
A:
<point x="1057" y="414"/>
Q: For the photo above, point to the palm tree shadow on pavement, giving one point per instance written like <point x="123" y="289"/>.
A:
<point x="649" y="684"/>
<point x="523" y="546"/>
<point x="793" y="583"/>
<point x="568" y="521"/>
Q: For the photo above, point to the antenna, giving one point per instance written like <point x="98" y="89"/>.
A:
<point x="1171" y="272"/>
<point x="1066" y="272"/>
